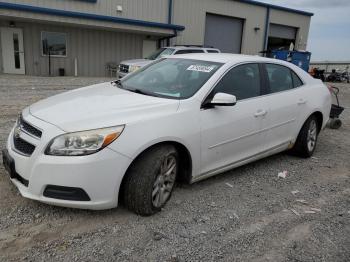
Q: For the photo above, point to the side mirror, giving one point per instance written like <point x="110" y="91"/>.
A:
<point x="223" y="99"/>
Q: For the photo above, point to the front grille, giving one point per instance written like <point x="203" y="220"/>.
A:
<point x="124" y="68"/>
<point x="28" y="128"/>
<point x="23" y="146"/>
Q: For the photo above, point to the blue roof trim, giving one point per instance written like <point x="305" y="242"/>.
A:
<point x="277" y="7"/>
<point x="73" y="14"/>
<point x="90" y="1"/>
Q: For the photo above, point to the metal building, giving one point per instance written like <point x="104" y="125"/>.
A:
<point x="81" y="37"/>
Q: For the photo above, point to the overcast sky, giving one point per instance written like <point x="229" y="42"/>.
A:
<point x="329" y="37"/>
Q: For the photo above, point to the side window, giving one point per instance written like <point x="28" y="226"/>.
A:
<point x="188" y="51"/>
<point x="296" y="80"/>
<point x="242" y="81"/>
<point x="197" y="51"/>
<point x="279" y="78"/>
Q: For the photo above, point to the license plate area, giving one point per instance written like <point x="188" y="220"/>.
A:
<point x="9" y="163"/>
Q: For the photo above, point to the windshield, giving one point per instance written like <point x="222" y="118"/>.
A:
<point x="160" y="53"/>
<point x="172" y="78"/>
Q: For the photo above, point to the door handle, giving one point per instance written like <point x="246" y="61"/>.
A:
<point x="260" y="113"/>
<point x="301" y="101"/>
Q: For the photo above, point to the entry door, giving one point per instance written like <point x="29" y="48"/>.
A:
<point x="12" y="50"/>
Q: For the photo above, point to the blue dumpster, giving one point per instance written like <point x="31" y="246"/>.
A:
<point x="299" y="58"/>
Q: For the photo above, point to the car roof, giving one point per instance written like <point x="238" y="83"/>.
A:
<point x="191" y="47"/>
<point x="227" y="58"/>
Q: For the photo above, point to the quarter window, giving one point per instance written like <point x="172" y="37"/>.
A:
<point x="54" y="44"/>
<point x="279" y="78"/>
<point x="296" y="80"/>
<point x="242" y="81"/>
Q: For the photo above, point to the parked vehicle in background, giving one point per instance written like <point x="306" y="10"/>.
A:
<point x="185" y="117"/>
<point x="346" y="75"/>
<point x="129" y="66"/>
<point x="318" y="73"/>
<point x="334" y="76"/>
<point x="338" y="76"/>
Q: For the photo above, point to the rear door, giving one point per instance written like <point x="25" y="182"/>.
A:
<point x="283" y="102"/>
<point x="230" y="134"/>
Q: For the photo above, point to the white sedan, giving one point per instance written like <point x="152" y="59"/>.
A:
<point x="184" y="118"/>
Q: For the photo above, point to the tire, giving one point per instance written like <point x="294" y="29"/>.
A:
<point x="307" y="139"/>
<point x="147" y="174"/>
<point x="335" y="123"/>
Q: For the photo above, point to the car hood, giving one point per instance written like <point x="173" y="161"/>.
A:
<point x="98" y="106"/>
<point x="137" y="62"/>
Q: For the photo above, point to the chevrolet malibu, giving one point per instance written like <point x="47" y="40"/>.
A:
<point x="181" y="118"/>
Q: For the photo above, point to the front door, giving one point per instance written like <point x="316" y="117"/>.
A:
<point x="230" y="134"/>
<point x="12" y="50"/>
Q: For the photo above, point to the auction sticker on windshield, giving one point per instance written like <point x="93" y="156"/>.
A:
<point x="201" y="68"/>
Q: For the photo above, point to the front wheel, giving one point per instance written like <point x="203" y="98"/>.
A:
<point x="307" y="138"/>
<point x="150" y="180"/>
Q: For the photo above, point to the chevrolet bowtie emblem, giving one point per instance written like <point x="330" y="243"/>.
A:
<point x="17" y="132"/>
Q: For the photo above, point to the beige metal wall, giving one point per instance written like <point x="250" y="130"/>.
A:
<point x="193" y="18"/>
<point x="295" y="20"/>
<point x="194" y="21"/>
<point x="148" y="10"/>
<point x="92" y="48"/>
<point x="1" y="69"/>
<point x="190" y="13"/>
<point x="15" y="15"/>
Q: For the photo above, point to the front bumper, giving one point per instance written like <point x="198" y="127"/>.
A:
<point x="99" y="174"/>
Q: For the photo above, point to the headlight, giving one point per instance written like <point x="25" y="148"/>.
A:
<point x="133" y="68"/>
<point x="83" y="143"/>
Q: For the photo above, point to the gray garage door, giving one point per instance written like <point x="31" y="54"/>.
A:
<point x="282" y="31"/>
<point x="223" y="32"/>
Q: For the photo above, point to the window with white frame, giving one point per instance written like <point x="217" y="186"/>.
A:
<point x="54" y="43"/>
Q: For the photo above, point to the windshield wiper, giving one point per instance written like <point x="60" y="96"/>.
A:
<point x="118" y="83"/>
<point x="142" y="92"/>
<point x="136" y="90"/>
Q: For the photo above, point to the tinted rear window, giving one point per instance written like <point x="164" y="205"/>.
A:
<point x="279" y="77"/>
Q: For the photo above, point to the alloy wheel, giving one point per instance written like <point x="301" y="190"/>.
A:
<point x="312" y="135"/>
<point x="164" y="182"/>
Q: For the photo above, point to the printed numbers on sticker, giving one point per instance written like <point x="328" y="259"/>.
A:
<point x="200" y="68"/>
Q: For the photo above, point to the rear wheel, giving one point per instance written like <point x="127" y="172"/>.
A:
<point x="150" y="180"/>
<point x="307" y="138"/>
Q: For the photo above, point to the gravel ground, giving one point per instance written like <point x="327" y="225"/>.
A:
<point x="247" y="214"/>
